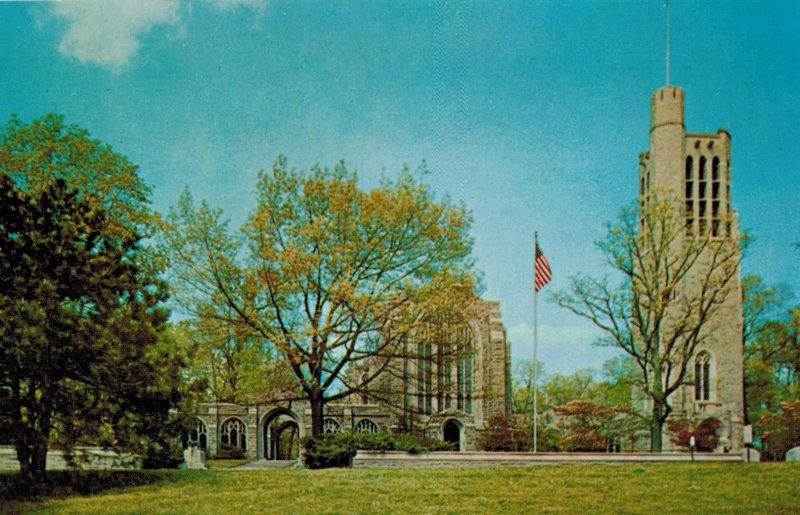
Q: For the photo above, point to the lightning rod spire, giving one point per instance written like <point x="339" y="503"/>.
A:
<point x="666" y="12"/>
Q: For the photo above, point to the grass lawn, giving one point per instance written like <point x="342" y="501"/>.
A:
<point x="665" y="488"/>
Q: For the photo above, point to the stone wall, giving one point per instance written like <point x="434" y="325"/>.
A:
<point x="88" y="458"/>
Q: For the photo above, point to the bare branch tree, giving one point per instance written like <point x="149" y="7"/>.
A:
<point x="671" y="282"/>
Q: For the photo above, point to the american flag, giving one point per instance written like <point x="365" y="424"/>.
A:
<point x="541" y="270"/>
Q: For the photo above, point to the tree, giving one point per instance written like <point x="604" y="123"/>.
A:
<point x="766" y="340"/>
<point x="522" y="392"/>
<point x="328" y="275"/>
<point x="673" y="282"/>
<point x="47" y="148"/>
<point x="81" y="306"/>
<point x="79" y="324"/>
<point x="780" y="431"/>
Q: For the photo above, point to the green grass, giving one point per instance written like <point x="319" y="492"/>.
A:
<point x="658" y="488"/>
<point x="224" y="464"/>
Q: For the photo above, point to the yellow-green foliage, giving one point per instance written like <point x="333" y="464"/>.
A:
<point x="672" y="488"/>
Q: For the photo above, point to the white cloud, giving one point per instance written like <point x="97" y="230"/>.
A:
<point x="108" y="33"/>
<point x="258" y="5"/>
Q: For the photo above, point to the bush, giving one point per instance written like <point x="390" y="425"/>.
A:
<point x="706" y="434"/>
<point x="229" y="452"/>
<point x="501" y="435"/>
<point x="339" y="449"/>
<point x="164" y="455"/>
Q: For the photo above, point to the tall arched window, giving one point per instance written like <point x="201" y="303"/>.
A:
<point x="199" y="435"/>
<point x="702" y="377"/>
<point x="234" y="433"/>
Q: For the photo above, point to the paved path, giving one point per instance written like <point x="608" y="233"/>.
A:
<point x="264" y="464"/>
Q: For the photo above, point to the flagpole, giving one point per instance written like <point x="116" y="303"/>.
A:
<point x="535" y="366"/>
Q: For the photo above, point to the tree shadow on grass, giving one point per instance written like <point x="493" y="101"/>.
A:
<point x="14" y="490"/>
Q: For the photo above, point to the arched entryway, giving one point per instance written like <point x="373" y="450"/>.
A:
<point x="451" y="433"/>
<point x="281" y="435"/>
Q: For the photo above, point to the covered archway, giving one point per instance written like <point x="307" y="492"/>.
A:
<point x="451" y="433"/>
<point x="281" y="435"/>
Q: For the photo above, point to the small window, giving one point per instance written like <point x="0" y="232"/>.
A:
<point x="689" y="166"/>
<point x="715" y="169"/>
<point x="689" y="189"/>
<point x="702" y="171"/>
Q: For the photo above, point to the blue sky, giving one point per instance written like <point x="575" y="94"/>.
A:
<point x="532" y="113"/>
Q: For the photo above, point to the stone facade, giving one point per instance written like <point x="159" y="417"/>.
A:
<point x="695" y="169"/>
<point x="451" y="381"/>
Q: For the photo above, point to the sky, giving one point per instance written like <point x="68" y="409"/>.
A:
<point x="532" y="113"/>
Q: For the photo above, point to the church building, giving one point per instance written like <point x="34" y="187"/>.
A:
<point x="451" y="381"/>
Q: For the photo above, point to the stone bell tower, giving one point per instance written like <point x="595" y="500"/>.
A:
<point x="694" y="170"/>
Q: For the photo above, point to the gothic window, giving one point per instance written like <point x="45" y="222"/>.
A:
<point x="198" y="435"/>
<point x="443" y="372"/>
<point x="330" y="425"/>
<point x="234" y="433"/>
<point x="425" y="377"/>
<point x="689" y="166"/>
<point x="702" y="377"/>
<point x="715" y="169"/>
<point x="366" y="425"/>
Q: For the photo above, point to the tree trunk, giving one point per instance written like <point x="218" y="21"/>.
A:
<point x="32" y="456"/>
<point x="660" y="414"/>
<point x="317" y="407"/>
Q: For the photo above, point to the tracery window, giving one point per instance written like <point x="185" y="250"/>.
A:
<point x="198" y="435"/>
<point x="366" y="425"/>
<point x="234" y="433"/>
<point x="444" y="367"/>
<point x="330" y="425"/>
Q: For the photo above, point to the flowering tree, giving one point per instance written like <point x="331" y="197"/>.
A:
<point x="327" y="275"/>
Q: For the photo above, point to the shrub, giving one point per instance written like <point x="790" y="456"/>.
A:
<point x="501" y="435"/>
<point x="229" y="452"/>
<point x="162" y="455"/>
<point x="706" y="433"/>
<point x="339" y="449"/>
